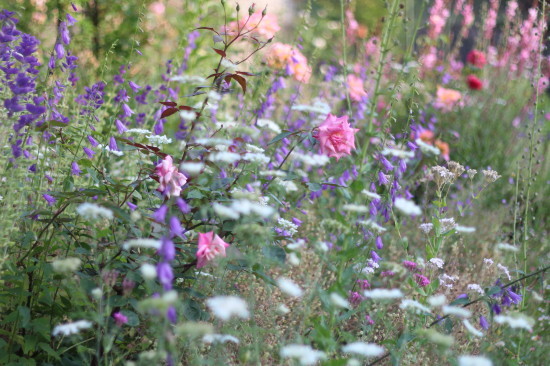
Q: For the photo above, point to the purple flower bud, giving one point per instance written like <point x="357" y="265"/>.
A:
<point x="183" y="206"/>
<point x="175" y="227"/>
<point x="64" y="31"/>
<point x="59" y="51"/>
<point x="160" y="214"/>
<point x="131" y="205"/>
<point x="296" y="221"/>
<point x="386" y="165"/>
<point x="167" y="249"/>
<point x="483" y="323"/>
<point x="495" y="308"/>
<point x="172" y="316"/>
<point x="383" y="178"/>
<point x="165" y="275"/>
<point x="93" y="141"/>
<point x="75" y="169"/>
<point x="74" y="7"/>
<point x="51" y="63"/>
<point x="120" y="319"/>
<point x="375" y="257"/>
<point x="70" y="19"/>
<point x="50" y="179"/>
<point x="50" y="199"/>
<point x="32" y="168"/>
<point x="120" y="126"/>
<point x="379" y="243"/>
<point x="127" y="110"/>
<point x="134" y="86"/>
<point x="89" y="152"/>
<point x="112" y="144"/>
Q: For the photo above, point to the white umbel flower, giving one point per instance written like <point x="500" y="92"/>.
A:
<point x="471" y="328"/>
<point x="383" y="294"/>
<point x="371" y="195"/>
<point x="71" y="328"/>
<point x="438" y="262"/>
<point x="226" y="307"/>
<point x="191" y="168"/>
<point x="474" y="361"/>
<point x="305" y="354"/>
<point x="364" y="349"/>
<point x="157" y="140"/>
<point x="414" y="305"/>
<point x="407" y="207"/>
<point x="142" y="243"/>
<point x="289" y="287"/>
<point x="224" y="157"/>
<point x="268" y="124"/>
<point x="339" y="301"/>
<point x="465" y="229"/>
<point x="521" y="322"/>
<point x="459" y="312"/>
<point x="91" y="211"/>
<point x="219" y="338"/>
<point x="437" y="300"/>
<point x="66" y="265"/>
<point x="507" y="247"/>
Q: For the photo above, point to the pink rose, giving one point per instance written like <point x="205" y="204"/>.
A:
<point x="170" y="178"/>
<point x="355" y="87"/>
<point x="210" y="246"/>
<point x="336" y="136"/>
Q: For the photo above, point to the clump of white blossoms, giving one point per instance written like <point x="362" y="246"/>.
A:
<point x="269" y="124"/>
<point x="383" y="294"/>
<point x="371" y="224"/>
<point x="447" y="280"/>
<point x="148" y="271"/>
<point x="459" y="312"/>
<point x="226" y="307"/>
<point x="91" y="211"/>
<point x="303" y="353"/>
<point x="474" y="361"/>
<point x="475" y="287"/>
<point x="289" y="287"/>
<point x="157" y="140"/>
<point x="471" y="173"/>
<point x="371" y="195"/>
<point x="507" y="247"/>
<point x="442" y="176"/>
<point x="465" y="229"/>
<point x="224" y="157"/>
<point x="490" y="175"/>
<point x="339" y="301"/>
<point x="455" y="168"/>
<point x="447" y="224"/>
<point x="414" y="305"/>
<point x="437" y="300"/>
<point x="191" y="168"/>
<point x="311" y="160"/>
<point x="427" y="148"/>
<point x="438" y="262"/>
<point x="426" y="227"/>
<point x="71" y="328"/>
<point x="142" y="243"/>
<point x="243" y="207"/>
<point x="516" y="321"/>
<point x="407" y="207"/>
<point x="219" y="338"/>
<point x="364" y="349"/>
<point x="471" y="328"/>
<point x="351" y="207"/>
<point x="288" y="226"/>
<point x="66" y="265"/>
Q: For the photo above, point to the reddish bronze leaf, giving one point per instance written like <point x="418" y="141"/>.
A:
<point x="220" y="52"/>
<point x="168" y="112"/>
<point x="245" y="73"/>
<point x="185" y="108"/>
<point x="169" y="104"/>
<point x="208" y="28"/>
<point x="241" y="81"/>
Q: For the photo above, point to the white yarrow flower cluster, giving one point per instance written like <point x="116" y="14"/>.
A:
<point x="401" y="154"/>
<point x="259" y="158"/>
<point x="383" y="294"/>
<point x="142" y="243"/>
<point x="311" y="159"/>
<point x="107" y="149"/>
<point x="447" y="224"/>
<point x="219" y="338"/>
<point x="226" y="307"/>
<point x="447" y="280"/>
<point x="465" y="229"/>
<point x="457" y="311"/>
<point x="189" y="79"/>
<point x="157" y="140"/>
<point x="426" y="227"/>
<point x="269" y="124"/>
<point x="66" y="265"/>
<point x="438" y="262"/>
<point x="305" y="354"/>
<point x="339" y="301"/>
<point x="371" y="195"/>
<point x="289" y="287"/>
<point x="191" y="168"/>
<point x="474" y="361"/>
<point x="414" y="305"/>
<point x="364" y="349"/>
<point x="371" y="224"/>
<point x="437" y="300"/>
<point x="407" y="207"/>
<point x="207" y="141"/>
<point x="243" y="207"/>
<point x="226" y="157"/>
<point x="288" y="226"/>
<point x="504" y="270"/>
<point x="475" y="287"/>
<point x="521" y="322"/>
<point x="91" y="211"/>
<point x="71" y="328"/>
<point x="139" y="131"/>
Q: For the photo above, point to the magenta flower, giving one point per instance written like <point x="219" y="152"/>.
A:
<point x="210" y="246"/>
<point x="170" y="179"/>
<point x="411" y="266"/>
<point x="336" y="136"/>
<point x="422" y="281"/>
<point x="120" y="319"/>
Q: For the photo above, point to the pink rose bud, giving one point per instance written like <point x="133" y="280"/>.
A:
<point x="336" y="136"/>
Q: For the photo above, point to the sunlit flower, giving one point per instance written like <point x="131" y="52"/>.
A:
<point x="364" y="349"/>
<point x="71" y="328"/>
<point x="210" y="246"/>
<point x="289" y="287"/>
<point x="170" y="179"/>
<point x="355" y="88"/>
<point x="226" y="307"/>
<point x="304" y="353"/>
<point x="446" y="99"/>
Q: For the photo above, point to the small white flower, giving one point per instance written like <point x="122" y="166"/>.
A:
<point x="488" y="262"/>
<point x="415" y="305"/>
<point x="355" y="208"/>
<point x="372" y="225"/>
<point x="517" y="321"/>
<point x="269" y="125"/>
<point x="371" y="195"/>
<point x="507" y="247"/>
<point x="289" y="287"/>
<point x="157" y="140"/>
<point x="401" y="154"/>
<point x="311" y="160"/>
<point x="189" y="79"/>
<point x="447" y="280"/>
<point x="225" y="307"/>
<point x="475" y="287"/>
<point x="226" y="212"/>
<point x="191" y="168"/>
<point x="256" y="158"/>
<point x="471" y="328"/>
<point x="71" y="328"/>
<point x="438" y="262"/>
<point x="139" y="131"/>
<point x="229" y="66"/>
<point x="427" y="149"/>
<point x="465" y="229"/>
<point x="219" y="338"/>
<point x="364" y="349"/>
<point x="505" y="270"/>
<point x="305" y="354"/>
<point x="426" y="227"/>
<point x="148" y="271"/>
<point x="282" y="309"/>
<point x="339" y="301"/>
<point x="142" y="243"/>
<point x="91" y="211"/>
<point x="474" y="361"/>
<point x="188" y="116"/>
<point x="459" y="312"/>
<point x="407" y="207"/>
<point x="288" y="226"/>
<point x="96" y="293"/>
<point x="66" y="265"/>
<point x="447" y="224"/>
<point x="437" y="300"/>
<point x="382" y="294"/>
<point x="205" y="141"/>
<point x="224" y="157"/>
<point x="293" y="259"/>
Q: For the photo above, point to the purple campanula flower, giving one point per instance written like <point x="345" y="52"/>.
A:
<point x="127" y="110"/>
<point x="378" y="242"/>
<point x="70" y="19"/>
<point x="93" y="141"/>
<point x="165" y="275"/>
<point x="89" y="152"/>
<point x="59" y="51"/>
<point x="175" y="227"/>
<point x="172" y="315"/>
<point x="131" y="205"/>
<point x="64" y="32"/>
<point x="121" y="128"/>
<point x="75" y="169"/>
<point x="483" y="323"/>
<point x="135" y="87"/>
<point x="112" y="144"/>
<point x="383" y="178"/>
<point x="50" y="199"/>
<point x="167" y="249"/>
<point x="183" y="206"/>
<point x="375" y="257"/>
<point x="495" y="308"/>
<point x="160" y="214"/>
<point x="32" y="168"/>
<point x="386" y="165"/>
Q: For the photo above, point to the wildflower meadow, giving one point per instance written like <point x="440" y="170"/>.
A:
<point x="286" y="182"/>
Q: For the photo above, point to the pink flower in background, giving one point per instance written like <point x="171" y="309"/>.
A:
<point x="258" y="25"/>
<point x="284" y="56"/>
<point x="474" y="83"/>
<point x="422" y="281"/>
<point x="444" y="148"/>
<point x="446" y="99"/>
<point x="476" y="58"/>
<point x="170" y="179"/>
<point x="355" y="87"/>
<point x="210" y="246"/>
<point x="336" y="136"/>
<point x="157" y="8"/>
<point x="120" y="319"/>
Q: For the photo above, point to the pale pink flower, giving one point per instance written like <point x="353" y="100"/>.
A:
<point x="170" y="179"/>
<point x="446" y="99"/>
<point x="210" y="247"/>
<point x="157" y="8"/>
<point x="355" y="87"/>
<point x="336" y="136"/>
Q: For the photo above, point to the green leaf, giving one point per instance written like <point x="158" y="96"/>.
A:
<point x="49" y="350"/>
<point x="281" y="136"/>
<point x="461" y="301"/>
<point x="493" y="290"/>
<point x="25" y="315"/>
<point x="133" y="318"/>
<point x="195" y="194"/>
<point x="314" y="186"/>
<point x="275" y="253"/>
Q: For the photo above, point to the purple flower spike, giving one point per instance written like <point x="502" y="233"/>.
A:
<point x="50" y="199"/>
<point x="483" y="323"/>
<point x="89" y="152"/>
<point x="75" y="169"/>
<point x="379" y="243"/>
<point x="167" y="250"/>
<point x="112" y="144"/>
<point x="165" y="275"/>
<point x="160" y="214"/>
<point x="59" y="51"/>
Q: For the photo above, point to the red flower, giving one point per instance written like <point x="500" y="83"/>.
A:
<point x="474" y="83"/>
<point x="476" y="58"/>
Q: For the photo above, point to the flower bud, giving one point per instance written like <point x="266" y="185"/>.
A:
<point x="251" y="9"/>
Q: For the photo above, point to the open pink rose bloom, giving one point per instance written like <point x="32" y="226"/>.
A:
<point x="210" y="246"/>
<point x="336" y="136"/>
<point x="170" y="179"/>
